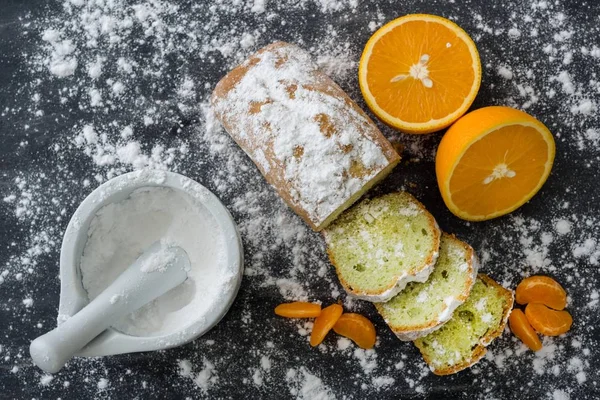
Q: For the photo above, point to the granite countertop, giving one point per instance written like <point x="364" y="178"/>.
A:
<point x="140" y="73"/>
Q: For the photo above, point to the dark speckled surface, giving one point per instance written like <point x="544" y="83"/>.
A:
<point x="236" y="345"/>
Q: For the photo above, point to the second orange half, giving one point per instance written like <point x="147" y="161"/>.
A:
<point x="419" y="73"/>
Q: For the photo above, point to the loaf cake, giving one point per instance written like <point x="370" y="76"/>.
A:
<point x="312" y="143"/>
<point x="421" y="308"/>
<point x="462" y="341"/>
<point x="381" y="244"/>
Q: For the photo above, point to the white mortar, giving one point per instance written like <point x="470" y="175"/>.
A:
<point x="73" y="296"/>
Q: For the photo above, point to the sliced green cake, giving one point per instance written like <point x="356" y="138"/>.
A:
<point x="421" y="308"/>
<point x="381" y="244"/>
<point x="461" y="342"/>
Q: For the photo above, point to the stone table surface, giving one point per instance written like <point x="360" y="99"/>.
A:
<point x="540" y="56"/>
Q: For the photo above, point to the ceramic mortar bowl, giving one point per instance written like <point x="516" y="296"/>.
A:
<point x="73" y="296"/>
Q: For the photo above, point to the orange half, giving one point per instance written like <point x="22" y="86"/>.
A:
<point x="492" y="161"/>
<point x="419" y="73"/>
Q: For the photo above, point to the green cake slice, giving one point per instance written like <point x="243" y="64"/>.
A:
<point x="381" y="244"/>
<point x="461" y="342"/>
<point x="421" y="308"/>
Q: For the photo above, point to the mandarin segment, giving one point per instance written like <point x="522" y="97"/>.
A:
<point x="298" y="309"/>
<point x="547" y="321"/>
<point x="357" y="328"/>
<point x="492" y="161"/>
<point x="419" y="73"/>
<point x="324" y="322"/>
<point x="541" y="289"/>
<point x="521" y="328"/>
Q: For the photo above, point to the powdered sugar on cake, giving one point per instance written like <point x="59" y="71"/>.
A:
<point x="313" y="135"/>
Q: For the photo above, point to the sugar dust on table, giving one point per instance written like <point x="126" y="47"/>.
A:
<point x="414" y="193"/>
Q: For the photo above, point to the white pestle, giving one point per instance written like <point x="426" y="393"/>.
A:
<point x="159" y="269"/>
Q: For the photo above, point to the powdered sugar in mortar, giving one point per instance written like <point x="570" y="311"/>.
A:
<point x="121" y="232"/>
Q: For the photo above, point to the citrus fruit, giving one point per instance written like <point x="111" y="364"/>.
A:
<point x="521" y="328"/>
<point x="547" y="321"/>
<point x="491" y="161"/>
<point x="419" y="73"/>
<point x="541" y="289"/>
<point x="324" y="322"/>
<point x="298" y="309"/>
<point x="357" y="328"/>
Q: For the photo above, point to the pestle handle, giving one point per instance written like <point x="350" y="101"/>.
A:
<point x="158" y="270"/>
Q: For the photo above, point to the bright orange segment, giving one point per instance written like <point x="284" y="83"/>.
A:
<point x="357" y="328"/>
<point x="547" y="321"/>
<point x="541" y="289"/>
<point x="298" y="309"/>
<point x="324" y="322"/>
<point x="492" y="161"/>
<point x="419" y="73"/>
<point x="522" y="329"/>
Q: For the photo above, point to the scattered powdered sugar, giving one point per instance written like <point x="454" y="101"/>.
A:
<point x="207" y="376"/>
<point x="103" y="383"/>
<point x="307" y="386"/>
<point x="563" y="226"/>
<point x="121" y="85"/>
<point x="204" y="379"/>
<point x="505" y="73"/>
<point x="265" y="363"/>
<point x="367" y="359"/>
<point x="343" y="343"/>
<point x="559" y="394"/>
<point x="336" y="58"/>
<point x="46" y="379"/>
<point x="557" y="48"/>
<point x="544" y="356"/>
<point x="383" y="381"/>
<point x="185" y="368"/>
